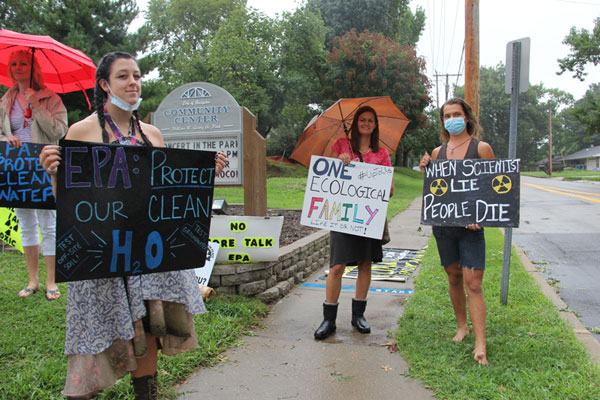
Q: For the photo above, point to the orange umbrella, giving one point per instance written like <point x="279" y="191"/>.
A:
<point x="326" y="128"/>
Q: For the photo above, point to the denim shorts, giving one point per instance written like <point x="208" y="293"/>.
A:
<point x="462" y="245"/>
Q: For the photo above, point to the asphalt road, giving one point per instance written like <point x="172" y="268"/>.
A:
<point x="559" y="231"/>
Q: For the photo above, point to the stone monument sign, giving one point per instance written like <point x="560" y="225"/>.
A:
<point x="203" y="116"/>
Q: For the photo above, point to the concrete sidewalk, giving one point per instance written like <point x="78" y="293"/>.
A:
<point x="284" y="361"/>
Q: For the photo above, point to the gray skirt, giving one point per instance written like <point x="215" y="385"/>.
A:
<point x="349" y="249"/>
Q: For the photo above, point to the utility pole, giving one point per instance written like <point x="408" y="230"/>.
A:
<point x="447" y="84"/>
<point x="472" y="54"/>
<point x="550" y="143"/>
<point x="437" y="90"/>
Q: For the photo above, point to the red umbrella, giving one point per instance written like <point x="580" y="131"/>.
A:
<point x="65" y="69"/>
<point x="326" y="128"/>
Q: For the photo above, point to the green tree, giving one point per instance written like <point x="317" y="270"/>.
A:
<point x="180" y="32"/>
<point x="392" y="18"/>
<point x="586" y="112"/>
<point x="303" y="59"/>
<point x="416" y="142"/>
<point x="371" y="65"/>
<point x="242" y="58"/>
<point x="585" y="49"/>
<point x="532" y="125"/>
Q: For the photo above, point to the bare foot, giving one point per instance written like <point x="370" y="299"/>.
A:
<point x="460" y="335"/>
<point x="480" y="357"/>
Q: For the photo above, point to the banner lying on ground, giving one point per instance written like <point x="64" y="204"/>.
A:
<point x="397" y="265"/>
<point x="349" y="198"/>
<point x="23" y="181"/>
<point x="245" y="239"/>
<point x="130" y="210"/>
<point x="473" y="191"/>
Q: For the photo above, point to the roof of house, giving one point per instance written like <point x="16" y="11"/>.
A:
<point x="590" y="152"/>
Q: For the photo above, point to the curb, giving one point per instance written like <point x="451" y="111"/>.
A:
<point x="581" y="333"/>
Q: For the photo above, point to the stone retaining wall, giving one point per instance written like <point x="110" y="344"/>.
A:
<point x="270" y="281"/>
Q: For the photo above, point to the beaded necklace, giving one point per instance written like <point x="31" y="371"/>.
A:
<point x="126" y="140"/>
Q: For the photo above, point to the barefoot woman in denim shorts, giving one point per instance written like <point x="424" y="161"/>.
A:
<point x="462" y="250"/>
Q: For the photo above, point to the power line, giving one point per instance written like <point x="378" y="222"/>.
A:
<point x="453" y="32"/>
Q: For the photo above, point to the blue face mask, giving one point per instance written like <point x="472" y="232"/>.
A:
<point x="455" y="125"/>
<point x="122" y="104"/>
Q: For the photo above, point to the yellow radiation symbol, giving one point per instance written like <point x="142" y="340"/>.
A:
<point x="439" y="187"/>
<point x="502" y="184"/>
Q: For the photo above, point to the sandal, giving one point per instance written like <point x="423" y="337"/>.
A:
<point x="27" y="292"/>
<point x="53" y="294"/>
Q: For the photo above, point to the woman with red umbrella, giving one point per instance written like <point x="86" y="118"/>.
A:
<point x="345" y="249"/>
<point x="30" y="112"/>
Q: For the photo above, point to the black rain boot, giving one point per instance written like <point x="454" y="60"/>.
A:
<point x="327" y="327"/>
<point x="145" y="387"/>
<point x="358" y="316"/>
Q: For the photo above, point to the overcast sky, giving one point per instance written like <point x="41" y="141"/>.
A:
<point x="545" y="22"/>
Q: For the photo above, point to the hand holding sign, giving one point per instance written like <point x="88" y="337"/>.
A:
<point x="349" y="198"/>
<point x="471" y="193"/>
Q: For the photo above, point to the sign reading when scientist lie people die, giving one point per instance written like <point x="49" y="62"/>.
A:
<point x="23" y="181"/>
<point x="472" y="191"/>
<point x="349" y="198"/>
<point x="203" y="116"/>
<point x="129" y="210"/>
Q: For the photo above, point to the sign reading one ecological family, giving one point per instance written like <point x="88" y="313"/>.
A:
<point x="349" y="198"/>
<point x="245" y="239"/>
<point x="23" y="181"/>
<point x="473" y="191"/>
<point x="203" y="116"/>
<point x="129" y="210"/>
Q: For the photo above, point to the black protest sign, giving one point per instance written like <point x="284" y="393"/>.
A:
<point x="131" y="210"/>
<point x="23" y="181"/>
<point x="473" y="191"/>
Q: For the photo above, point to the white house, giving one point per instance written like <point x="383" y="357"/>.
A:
<point x="588" y="159"/>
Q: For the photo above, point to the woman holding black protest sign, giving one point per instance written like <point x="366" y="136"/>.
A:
<point x="462" y="250"/>
<point x="30" y="112"/>
<point x="117" y="325"/>
<point x="346" y="249"/>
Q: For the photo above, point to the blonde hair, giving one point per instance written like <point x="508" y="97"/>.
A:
<point x="38" y="76"/>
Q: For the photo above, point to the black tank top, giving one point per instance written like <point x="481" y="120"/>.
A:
<point x="471" y="150"/>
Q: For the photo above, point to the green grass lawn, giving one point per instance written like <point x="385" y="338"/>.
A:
<point x="532" y="352"/>
<point x="32" y="335"/>
<point x="570" y="175"/>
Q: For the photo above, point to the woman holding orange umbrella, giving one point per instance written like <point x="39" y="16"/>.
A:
<point x="362" y="146"/>
<point x="30" y="112"/>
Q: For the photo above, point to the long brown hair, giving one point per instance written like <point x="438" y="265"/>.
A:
<point x="100" y="96"/>
<point x="355" y="135"/>
<point x="473" y="127"/>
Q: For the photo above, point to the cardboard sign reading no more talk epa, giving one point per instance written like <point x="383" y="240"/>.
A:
<point x="351" y="198"/>
<point x="130" y="210"/>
